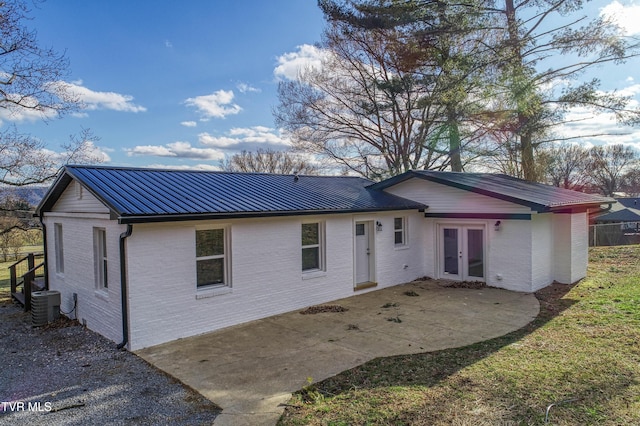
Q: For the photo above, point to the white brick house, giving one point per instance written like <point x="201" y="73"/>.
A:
<point x="156" y="255"/>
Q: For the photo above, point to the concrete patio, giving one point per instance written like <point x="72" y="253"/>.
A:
<point x="251" y="369"/>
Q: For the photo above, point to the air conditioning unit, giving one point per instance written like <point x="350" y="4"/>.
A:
<point x="45" y="307"/>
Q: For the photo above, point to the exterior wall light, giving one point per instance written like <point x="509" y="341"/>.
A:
<point x="497" y="225"/>
<point x="378" y="225"/>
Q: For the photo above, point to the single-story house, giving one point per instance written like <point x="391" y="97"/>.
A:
<point x="145" y="256"/>
<point x="617" y="225"/>
<point x="626" y="210"/>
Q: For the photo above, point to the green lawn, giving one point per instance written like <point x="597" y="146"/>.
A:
<point x="4" y="272"/>
<point x="582" y="351"/>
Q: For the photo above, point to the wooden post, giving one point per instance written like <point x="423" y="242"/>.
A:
<point x="28" y="279"/>
<point x="31" y="261"/>
<point x="14" y="278"/>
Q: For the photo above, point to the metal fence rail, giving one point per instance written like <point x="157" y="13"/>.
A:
<point x="614" y="234"/>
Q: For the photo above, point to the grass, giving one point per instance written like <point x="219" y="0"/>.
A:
<point x="5" y="284"/>
<point x="582" y="353"/>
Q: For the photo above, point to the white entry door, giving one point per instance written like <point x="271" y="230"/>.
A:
<point x="363" y="254"/>
<point x="462" y="253"/>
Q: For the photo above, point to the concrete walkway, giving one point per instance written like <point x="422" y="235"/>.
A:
<point x="250" y="369"/>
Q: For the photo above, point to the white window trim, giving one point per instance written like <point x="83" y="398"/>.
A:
<point x="316" y="272"/>
<point x="101" y="259"/>
<point x="219" y="288"/>
<point x="405" y="234"/>
<point x="59" y="248"/>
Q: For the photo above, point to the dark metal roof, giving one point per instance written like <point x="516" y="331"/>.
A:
<point x="633" y="203"/>
<point x="624" y="215"/>
<point x="145" y="195"/>
<point x="537" y="196"/>
<point x="626" y="210"/>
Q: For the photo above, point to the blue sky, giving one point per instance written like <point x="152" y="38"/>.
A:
<point x="181" y="84"/>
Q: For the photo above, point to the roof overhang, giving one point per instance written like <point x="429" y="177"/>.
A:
<point x="134" y="219"/>
<point x="65" y="177"/>
<point x="536" y="207"/>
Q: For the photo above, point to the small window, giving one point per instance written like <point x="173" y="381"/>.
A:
<point x="211" y="258"/>
<point x="359" y="228"/>
<point x="400" y="231"/>
<point x="78" y="190"/>
<point x="59" y="249"/>
<point x="312" y="247"/>
<point x="100" y="258"/>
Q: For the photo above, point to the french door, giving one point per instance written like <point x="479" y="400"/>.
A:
<point x="462" y="252"/>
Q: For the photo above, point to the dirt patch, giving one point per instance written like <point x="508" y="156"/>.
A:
<point x="323" y="308"/>
<point x="476" y="285"/>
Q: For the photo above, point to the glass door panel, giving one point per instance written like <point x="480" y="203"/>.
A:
<point x="475" y="253"/>
<point x="450" y="239"/>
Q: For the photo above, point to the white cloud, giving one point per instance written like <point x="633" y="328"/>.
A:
<point x="150" y="150"/>
<point x="245" y="88"/>
<point x="189" y="123"/>
<point x="177" y="150"/>
<point x="632" y="90"/>
<point x="93" y="100"/>
<point x="216" y="105"/>
<point x="96" y="152"/>
<point x="290" y="64"/>
<point x="588" y="128"/>
<point x="19" y="114"/>
<point x="247" y="138"/>
<point x="625" y="16"/>
<point x="90" y="152"/>
<point x="206" y="167"/>
<point x="219" y="142"/>
<point x="89" y="100"/>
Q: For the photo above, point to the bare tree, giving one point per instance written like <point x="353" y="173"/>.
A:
<point x="358" y="109"/>
<point x="631" y="183"/>
<point x="11" y="237"/>
<point x="567" y="166"/>
<point x="31" y="75"/>
<point x="609" y="164"/>
<point x="25" y="160"/>
<point x="269" y="161"/>
<point x="371" y="108"/>
<point x="540" y="51"/>
<point x="32" y="84"/>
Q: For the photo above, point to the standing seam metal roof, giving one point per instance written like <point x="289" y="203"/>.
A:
<point x="153" y="193"/>
<point x="537" y="196"/>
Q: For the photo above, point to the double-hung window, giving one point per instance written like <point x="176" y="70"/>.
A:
<point x="212" y="253"/>
<point x="59" y="249"/>
<point x="400" y="231"/>
<point x="100" y="258"/>
<point x="312" y="247"/>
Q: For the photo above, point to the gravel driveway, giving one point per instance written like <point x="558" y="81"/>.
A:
<point x="72" y="376"/>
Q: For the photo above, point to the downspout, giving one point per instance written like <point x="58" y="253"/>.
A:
<point x="44" y="243"/>
<point x="605" y="209"/>
<point x="123" y="287"/>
